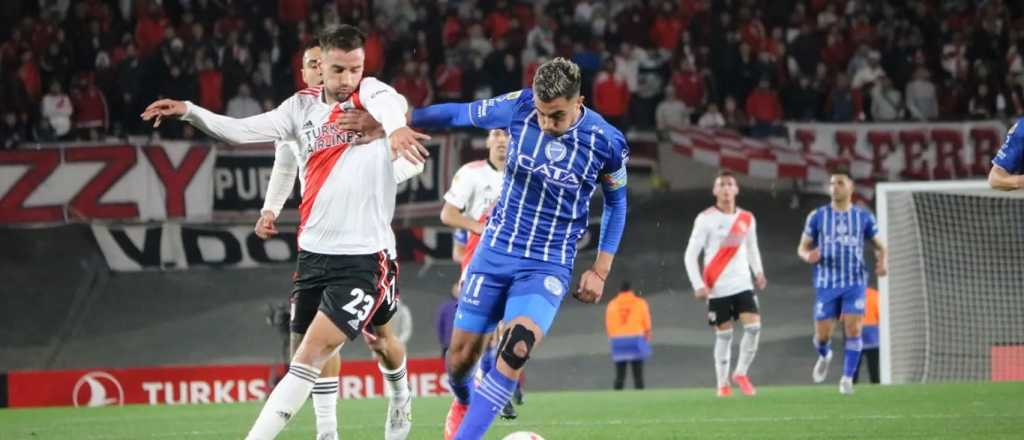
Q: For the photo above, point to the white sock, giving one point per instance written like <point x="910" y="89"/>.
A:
<point x="325" y="405"/>
<point x="397" y="381"/>
<point x="723" y="355"/>
<point x="284" y="402"/>
<point x="748" y="347"/>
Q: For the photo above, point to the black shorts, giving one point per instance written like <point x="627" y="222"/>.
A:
<point x="725" y="309"/>
<point x="355" y="291"/>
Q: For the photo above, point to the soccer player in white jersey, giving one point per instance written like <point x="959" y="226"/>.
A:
<point x="833" y="240"/>
<point x="728" y="237"/>
<point x="305" y="302"/>
<point x="345" y="236"/>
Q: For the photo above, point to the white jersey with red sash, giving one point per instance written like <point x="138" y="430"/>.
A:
<point x="731" y="254"/>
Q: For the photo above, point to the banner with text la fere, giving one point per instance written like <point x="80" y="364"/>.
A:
<point x="199" y="384"/>
<point x="75" y="182"/>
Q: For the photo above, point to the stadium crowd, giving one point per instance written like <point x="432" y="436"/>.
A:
<point x="84" y="69"/>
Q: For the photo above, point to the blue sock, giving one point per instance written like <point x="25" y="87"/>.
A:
<point x="488" y="359"/>
<point x="852" y="355"/>
<point x="488" y="399"/>
<point x="822" y="347"/>
<point x="461" y="386"/>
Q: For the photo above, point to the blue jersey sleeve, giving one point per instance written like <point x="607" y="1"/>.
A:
<point x="812" y="225"/>
<point x="870" y="226"/>
<point x="489" y="113"/>
<point x="1011" y="155"/>
<point x="613" y="184"/>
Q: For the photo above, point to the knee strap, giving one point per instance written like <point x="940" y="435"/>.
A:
<point x="512" y="337"/>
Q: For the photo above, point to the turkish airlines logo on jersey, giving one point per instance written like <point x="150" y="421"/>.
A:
<point x="97" y="389"/>
<point x="327" y="136"/>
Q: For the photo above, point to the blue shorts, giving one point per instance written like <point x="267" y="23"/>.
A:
<point x="460" y="236"/>
<point x="831" y="303"/>
<point x="502" y="287"/>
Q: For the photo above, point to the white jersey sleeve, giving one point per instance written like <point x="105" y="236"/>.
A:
<point x="753" y="251"/>
<point x="461" y="191"/>
<point x="384" y="104"/>
<point x="698" y="238"/>
<point x="282" y="178"/>
<point x="275" y="125"/>
<point x="405" y="170"/>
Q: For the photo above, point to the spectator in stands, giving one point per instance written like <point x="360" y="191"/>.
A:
<point x="414" y="86"/>
<point x="12" y="132"/>
<point x="243" y="104"/>
<point x="712" y="117"/>
<point x="91" y="113"/>
<point x="448" y="80"/>
<point x="129" y="77"/>
<point x="886" y="101"/>
<point x="983" y="105"/>
<point x="55" y="65"/>
<point x="149" y="30"/>
<point x="765" y="110"/>
<point x="651" y="67"/>
<point x="672" y="114"/>
<point x="688" y="84"/>
<point x="211" y="83"/>
<point x="734" y="116"/>
<point x="30" y="76"/>
<point x="869" y="72"/>
<point x="56" y="110"/>
<point x="801" y="100"/>
<point x="922" y="101"/>
<point x="611" y="96"/>
<point x="502" y="69"/>
<point x="844" y="104"/>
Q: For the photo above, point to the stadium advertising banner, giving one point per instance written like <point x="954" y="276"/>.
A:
<point x="905" y="151"/>
<point x="198" y="384"/>
<point x="241" y="175"/>
<point x="179" y="246"/>
<point x="106" y="182"/>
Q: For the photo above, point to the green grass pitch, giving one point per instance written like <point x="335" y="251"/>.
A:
<point x="946" y="411"/>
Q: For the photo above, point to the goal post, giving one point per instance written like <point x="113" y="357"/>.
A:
<point x="952" y="305"/>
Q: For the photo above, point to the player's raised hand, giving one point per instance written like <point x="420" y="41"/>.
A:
<point x="265" y="225"/>
<point x="760" y="281"/>
<point x="406" y="142"/>
<point x="164" y="109"/>
<point x="362" y="122"/>
<point x="701" y="293"/>
<point x="591" y="287"/>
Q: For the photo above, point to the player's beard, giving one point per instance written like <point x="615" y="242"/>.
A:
<point x="341" y="94"/>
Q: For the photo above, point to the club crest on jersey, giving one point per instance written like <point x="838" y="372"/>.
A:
<point x="553" y="175"/>
<point x="555" y="151"/>
<point x="553" y="285"/>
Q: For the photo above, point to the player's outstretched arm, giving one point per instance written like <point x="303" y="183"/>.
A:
<point x="1000" y="179"/>
<point x="489" y="113"/>
<point x="265" y="127"/>
<point x="282" y="180"/>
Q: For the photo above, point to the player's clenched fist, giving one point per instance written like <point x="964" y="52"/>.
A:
<point x="265" y="225"/>
<point x="164" y="108"/>
<point x="591" y="287"/>
<point x="406" y="143"/>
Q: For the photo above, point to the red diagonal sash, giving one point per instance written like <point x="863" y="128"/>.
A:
<point x="729" y="247"/>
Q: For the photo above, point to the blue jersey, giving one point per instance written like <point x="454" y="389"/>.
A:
<point x="840" y="237"/>
<point x="543" y="208"/>
<point x="1011" y="156"/>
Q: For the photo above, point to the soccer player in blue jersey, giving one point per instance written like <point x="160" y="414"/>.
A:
<point x="833" y="240"/>
<point x="1007" y="172"/>
<point x="558" y="155"/>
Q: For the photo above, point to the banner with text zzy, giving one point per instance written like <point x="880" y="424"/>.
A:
<point x="241" y="175"/>
<point x="75" y="182"/>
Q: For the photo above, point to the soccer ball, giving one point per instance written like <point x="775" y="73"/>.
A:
<point x="523" y="435"/>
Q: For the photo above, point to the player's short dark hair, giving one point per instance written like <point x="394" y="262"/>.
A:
<point x="311" y="44"/>
<point x="558" y="78"/>
<point x="345" y="37"/>
<point x="725" y="173"/>
<point x="840" y="170"/>
<point x="626" y="286"/>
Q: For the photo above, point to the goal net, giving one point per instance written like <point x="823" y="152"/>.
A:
<point x="952" y="306"/>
